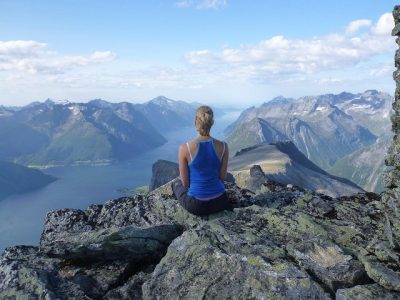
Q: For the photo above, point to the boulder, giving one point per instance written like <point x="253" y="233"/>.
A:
<point x="221" y="260"/>
<point x="367" y="291"/>
<point x="88" y="265"/>
<point x="163" y="171"/>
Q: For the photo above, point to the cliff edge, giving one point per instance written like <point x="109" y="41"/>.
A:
<point x="279" y="242"/>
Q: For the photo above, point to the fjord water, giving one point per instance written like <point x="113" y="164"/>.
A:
<point x="22" y="216"/>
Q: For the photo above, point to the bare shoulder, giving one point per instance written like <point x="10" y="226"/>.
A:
<point x="220" y="143"/>
<point x="184" y="147"/>
<point x="191" y="143"/>
<point x="220" y="146"/>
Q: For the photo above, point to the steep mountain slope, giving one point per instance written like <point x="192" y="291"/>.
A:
<point x="16" y="179"/>
<point x="325" y="128"/>
<point x="255" y="131"/>
<point x="284" y="163"/>
<point x="365" y="166"/>
<point x="4" y="111"/>
<point x="18" y="139"/>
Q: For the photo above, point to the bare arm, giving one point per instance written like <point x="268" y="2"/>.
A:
<point x="183" y="165"/>
<point x="224" y="164"/>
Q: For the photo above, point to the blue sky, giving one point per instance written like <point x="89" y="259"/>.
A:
<point x="221" y="52"/>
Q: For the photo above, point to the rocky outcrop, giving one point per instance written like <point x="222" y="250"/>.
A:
<point x="367" y="291"/>
<point x="162" y="172"/>
<point x="96" y="269"/>
<point x="279" y="242"/>
<point x="391" y="198"/>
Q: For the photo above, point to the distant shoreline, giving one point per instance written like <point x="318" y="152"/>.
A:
<point x="88" y="163"/>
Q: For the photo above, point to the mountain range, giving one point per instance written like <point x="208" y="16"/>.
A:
<point x="325" y="128"/>
<point x="328" y="129"/>
<point x="66" y="133"/>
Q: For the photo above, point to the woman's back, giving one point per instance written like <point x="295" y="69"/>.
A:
<point x="204" y="169"/>
<point x="203" y="165"/>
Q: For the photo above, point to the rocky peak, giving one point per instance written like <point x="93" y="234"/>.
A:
<point x="279" y="100"/>
<point x="99" y="103"/>
<point x="49" y="102"/>
<point x="162" y="101"/>
<point x="162" y="172"/>
<point x="281" y="241"/>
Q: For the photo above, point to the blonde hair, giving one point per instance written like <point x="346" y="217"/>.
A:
<point x="204" y="119"/>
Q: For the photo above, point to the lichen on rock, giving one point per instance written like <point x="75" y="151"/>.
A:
<point x="279" y="242"/>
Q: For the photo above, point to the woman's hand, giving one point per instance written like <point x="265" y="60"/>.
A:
<point x="183" y="165"/>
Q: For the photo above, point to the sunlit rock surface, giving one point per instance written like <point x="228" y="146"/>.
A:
<point x="281" y="241"/>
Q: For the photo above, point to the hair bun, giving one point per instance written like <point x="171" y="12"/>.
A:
<point x="204" y="119"/>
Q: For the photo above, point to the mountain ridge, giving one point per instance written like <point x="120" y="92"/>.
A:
<point x="282" y="162"/>
<point x="325" y="127"/>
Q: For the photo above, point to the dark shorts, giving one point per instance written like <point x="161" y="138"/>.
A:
<point x="200" y="207"/>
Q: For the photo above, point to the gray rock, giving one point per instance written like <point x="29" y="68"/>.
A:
<point x="163" y="171"/>
<point x="221" y="260"/>
<point x="89" y="265"/>
<point x="132" y="289"/>
<point x="130" y="242"/>
<point x="368" y="291"/>
<point x="283" y="242"/>
<point x="62" y="221"/>
<point x="327" y="262"/>
<point x="384" y="271"/>
<point x="256" y="179"/>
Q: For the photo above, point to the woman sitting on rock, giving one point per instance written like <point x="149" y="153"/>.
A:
<point x="203" y="166"/>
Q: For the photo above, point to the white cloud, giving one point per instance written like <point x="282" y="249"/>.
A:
<point x="356" y="25"/>
<point x="329" y="80"/>
<point x="202" y="4"/>
<point x="352" y="59"/>
<point x="34" y="57"/>
<point x="20" y="48"/>
<point x="103" y="56"/>
<point x="382" y="70"/>
<point x="384" y="25"/>
<point x="280" y="56"/>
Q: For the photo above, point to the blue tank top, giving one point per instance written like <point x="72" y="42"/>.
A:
<point x="204" y="171"/>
